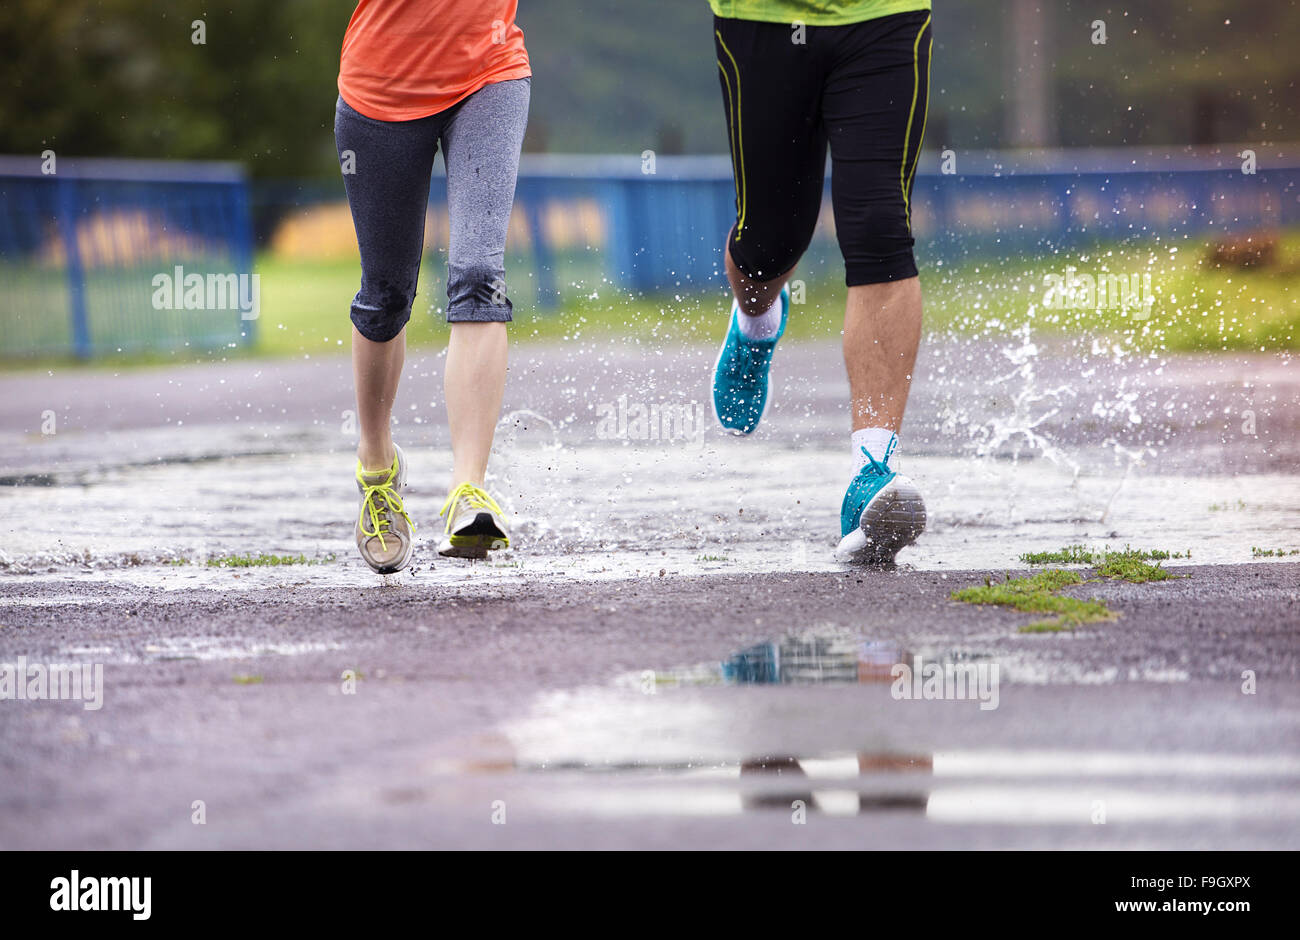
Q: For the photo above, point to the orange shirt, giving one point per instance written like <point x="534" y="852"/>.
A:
<point x="408" y="59"/>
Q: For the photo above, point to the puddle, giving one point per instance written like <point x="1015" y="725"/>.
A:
<point x="195" y="649"/>
<point x="610" y="512"/>
<point x="585" y="728"/>
<point x="1019" y="443"/>
<point x="810" y="724"/>
<point x="1020" y="806"/>
<point x="805" y="658"/>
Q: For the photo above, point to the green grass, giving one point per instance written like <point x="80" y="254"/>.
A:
<point x="1273" y="552"/>
<point x="1081" y="555"/>
<point x="1199" y="307"/>
<point x="263" y="561"/>
<point x="1128" y="566"/>
<point x="1070" y="555"/>
<point x="1224" y="507"/>
<point x="1038" y="594"/>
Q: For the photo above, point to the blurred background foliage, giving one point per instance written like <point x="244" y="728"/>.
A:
<point x="122" y="77"/>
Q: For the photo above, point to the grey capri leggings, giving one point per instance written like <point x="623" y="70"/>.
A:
<point x="389" y="195"/>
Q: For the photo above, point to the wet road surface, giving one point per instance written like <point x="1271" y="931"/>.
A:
<point x="584" y="690"/>
<point x="597" y="715"/>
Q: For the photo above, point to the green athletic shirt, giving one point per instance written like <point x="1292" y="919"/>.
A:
<point x="813" y="12"/>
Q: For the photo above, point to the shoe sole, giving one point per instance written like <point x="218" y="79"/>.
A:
<point x="893" y="519"/>
<point x="393" y="568"/>
<point x="767" y="398"/>
<point x="401" y="562"/>
<point x="475" y="540"/>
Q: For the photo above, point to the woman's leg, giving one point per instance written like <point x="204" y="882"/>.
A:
<point x="481" y="146"/>
<point x="376" y="370"/>
<point x="473" y="383"/>
<point x="389" y="196"/>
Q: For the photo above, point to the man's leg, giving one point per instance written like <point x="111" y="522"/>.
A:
<point x="770" y="92"/>
<point x="753" y="297"/>
<point x="481" y="144"/>
<point x="882" y="331"/>
<point x="874" y="108"/>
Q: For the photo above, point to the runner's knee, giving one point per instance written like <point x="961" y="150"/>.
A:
<point x="877" y="248"/>
<point x="382" y="308"/>
<point x="476" y="293"/>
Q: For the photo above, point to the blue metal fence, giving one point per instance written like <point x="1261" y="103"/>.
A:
<point x="657" y="230"/>
<point x="666" y="229"/>
<point x="102" y="256"/>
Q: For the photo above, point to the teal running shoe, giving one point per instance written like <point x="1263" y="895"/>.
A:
<point x="882" y="513"/>
<point x="740" y="387"/>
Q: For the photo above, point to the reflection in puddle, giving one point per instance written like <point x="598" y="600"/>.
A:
<point x="800" y="793"/>
<point x="198" y="649"/>
<point x="814" y="658"/>
<point x="806" y="726"/>
<point x="809" y="658"/>
<point x="954" y="787"/>
<point x="828" y="784"/>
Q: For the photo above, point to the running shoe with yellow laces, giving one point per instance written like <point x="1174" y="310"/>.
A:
<point x="475" y="524"/>
<point x="383" y="527"/>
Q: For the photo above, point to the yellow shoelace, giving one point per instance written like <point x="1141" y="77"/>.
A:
<point x="377" y="498"/>
<point x="475" y="497"/>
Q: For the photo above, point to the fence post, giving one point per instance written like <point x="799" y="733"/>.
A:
<point x="81" y="347"/>
<point x="243" y="253"/>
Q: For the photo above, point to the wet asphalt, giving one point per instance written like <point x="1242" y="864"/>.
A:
<point x="509" y="700"/>
<point x="467" y="706"/>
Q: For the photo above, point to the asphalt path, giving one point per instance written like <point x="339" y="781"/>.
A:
<point x="574" y="693"/>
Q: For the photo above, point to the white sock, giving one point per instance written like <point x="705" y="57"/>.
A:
<point x="763" y="326"/>
<point x="881" y="444"/>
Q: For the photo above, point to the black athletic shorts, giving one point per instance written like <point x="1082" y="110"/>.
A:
<point x="864" y="89"/>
